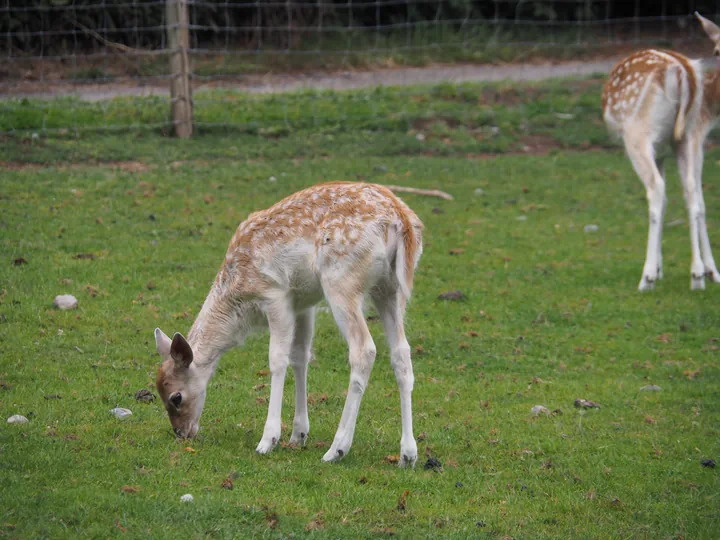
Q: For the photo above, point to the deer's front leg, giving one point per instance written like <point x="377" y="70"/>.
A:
<point x="281" y="323"/>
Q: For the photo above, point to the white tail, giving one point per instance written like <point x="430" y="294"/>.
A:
<point x="651" y="97"/>
<point x="338" y="241"/>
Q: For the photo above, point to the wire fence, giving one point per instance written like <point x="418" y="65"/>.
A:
<point x="87" y="65"/>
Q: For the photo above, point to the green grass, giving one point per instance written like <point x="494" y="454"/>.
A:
<point x="555" y="310"/>
<point x="466" y="118"/>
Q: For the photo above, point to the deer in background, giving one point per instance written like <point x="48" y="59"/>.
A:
<point x="336" y="241"/>
<point x="654" y="97"/>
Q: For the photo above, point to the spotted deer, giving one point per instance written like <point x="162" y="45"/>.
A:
<point x="339" y="241"/>
<point x="653" y="97"/>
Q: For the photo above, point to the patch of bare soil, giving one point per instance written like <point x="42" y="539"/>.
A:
<point x="125" y="166"/>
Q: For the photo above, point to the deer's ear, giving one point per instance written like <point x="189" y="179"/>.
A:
<point x="180" y="351"/>
<point x="162" y="343"/>
<point x="711" y="29"/>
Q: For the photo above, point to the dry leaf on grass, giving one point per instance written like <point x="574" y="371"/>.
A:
<point x="392" y="459"/>
<point x="227" y="483"/>
<point x="130" y="489"/>
<point x="452" y="295"/>
<point x="402" y="502"/>
<point x="315" y="524"/>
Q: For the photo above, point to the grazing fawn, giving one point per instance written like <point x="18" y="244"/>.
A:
<point x="653" y="97"/>
<point x="336" y="241"/>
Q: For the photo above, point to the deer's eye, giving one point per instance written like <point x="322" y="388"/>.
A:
<point x="176" y="399"/>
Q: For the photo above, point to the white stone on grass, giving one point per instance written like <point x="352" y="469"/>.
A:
<point x="120" y="413"/>
<point x="65" y="301"/>
<point x="17" y="419"/>
<point x="651" y="388"/>
<point x="537" y="410"/>
<point x="591" y="228"/>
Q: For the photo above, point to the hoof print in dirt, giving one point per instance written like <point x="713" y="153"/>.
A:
<point x="452" y="295"/>
<point x="433" y="464"/>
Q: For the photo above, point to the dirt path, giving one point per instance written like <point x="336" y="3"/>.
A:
<point x="264" y="84"/>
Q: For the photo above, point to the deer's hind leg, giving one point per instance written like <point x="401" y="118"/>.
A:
<point x="641" y="152"/>
<point x="345" y="297"/>
<point x="299" y="360"/>
<point x="391" y="307"/>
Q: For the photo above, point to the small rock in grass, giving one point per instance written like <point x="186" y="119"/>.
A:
<point x="17" y="419"/>
<point x="586" y="404"/>
<point x="433" y="464"/>
<point x="521" y="218"/>
<point x="479" y="191"/>
<point x="65" y="301"/>
<point x="537" y="410"/>
<point x="420" y="137"/>
<point x="591" y="228"/>
<point x="651" y="388"/>
<point x="144" y="395"/>
<point x="120" y="413"/>
<point x="272" y="179"/>
<point x="187" y="498"/>
<point x="709" y="463"/>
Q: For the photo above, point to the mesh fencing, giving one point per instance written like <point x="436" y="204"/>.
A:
<point x="76" y="65"/>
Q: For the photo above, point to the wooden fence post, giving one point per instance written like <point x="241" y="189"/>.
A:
<point x="180" y="90"/>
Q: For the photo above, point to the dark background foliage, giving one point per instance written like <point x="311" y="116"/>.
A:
<point x="49" y="27"/>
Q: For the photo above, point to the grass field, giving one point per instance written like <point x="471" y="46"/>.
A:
<point x="551" y="314"/>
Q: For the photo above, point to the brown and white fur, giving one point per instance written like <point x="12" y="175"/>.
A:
<point x="338" y="241"/>
<point x="653" y="97"/>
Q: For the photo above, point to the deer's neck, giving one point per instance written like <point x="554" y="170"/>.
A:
<point x="223" y="322"/>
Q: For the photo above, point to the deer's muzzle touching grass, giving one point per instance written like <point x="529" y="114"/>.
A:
<point x="656" y="97"/>
<point x="343" y="242"/>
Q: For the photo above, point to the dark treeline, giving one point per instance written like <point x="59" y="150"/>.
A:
<point x="56" y="26"/>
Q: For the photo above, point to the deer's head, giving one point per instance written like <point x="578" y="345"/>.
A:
<point x="180" y="389"/>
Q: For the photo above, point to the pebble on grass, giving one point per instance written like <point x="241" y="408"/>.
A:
<point x="65" y="301"/>
<point x="537" y="410"/>
<point x="651" y="388"/>
<point x="120" y="413"/>
<point x="17" y="419"/>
